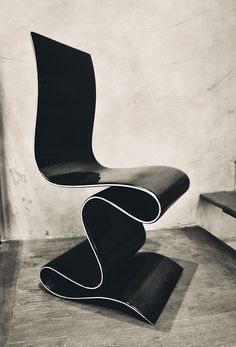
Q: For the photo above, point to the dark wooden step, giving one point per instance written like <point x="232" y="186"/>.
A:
<point x="224" y="200"/>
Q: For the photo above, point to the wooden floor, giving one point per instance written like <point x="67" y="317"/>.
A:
<point x="200" y="312"/>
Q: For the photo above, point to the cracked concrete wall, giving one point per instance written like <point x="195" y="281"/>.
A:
<point x="165" y="73"/>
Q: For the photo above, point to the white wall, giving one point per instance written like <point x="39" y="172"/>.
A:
<point x="166" y="82"/>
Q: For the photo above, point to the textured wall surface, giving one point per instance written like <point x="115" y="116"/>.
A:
<point x="166" y="80"/>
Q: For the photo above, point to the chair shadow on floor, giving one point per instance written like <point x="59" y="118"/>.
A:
<point x="171" y="310"/>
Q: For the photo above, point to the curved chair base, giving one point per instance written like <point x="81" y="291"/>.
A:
<point x="107" y="265"/>
<point x="143" y="284"/>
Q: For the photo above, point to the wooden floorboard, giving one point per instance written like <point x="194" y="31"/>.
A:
<point x="200" y="312"/>
<point x="10" y="259"/>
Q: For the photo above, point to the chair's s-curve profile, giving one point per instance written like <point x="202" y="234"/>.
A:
<point x="107" y="265"/>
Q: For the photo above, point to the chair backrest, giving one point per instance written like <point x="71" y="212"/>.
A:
<point x="66" y="103"/>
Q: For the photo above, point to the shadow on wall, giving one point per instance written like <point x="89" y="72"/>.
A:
<point x="4" y="201"/>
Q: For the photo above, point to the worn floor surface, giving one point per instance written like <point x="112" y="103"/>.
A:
<point x="200" y="312"/>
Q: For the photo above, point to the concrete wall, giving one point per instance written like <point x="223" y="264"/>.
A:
<point x="166" y="84"/>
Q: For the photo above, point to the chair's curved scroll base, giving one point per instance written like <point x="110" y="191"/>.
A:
<point x="143" y="284"/>
<point x="107" y="265"/>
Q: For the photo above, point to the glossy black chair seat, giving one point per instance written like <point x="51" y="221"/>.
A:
<point x="158" y="183"/>
<point x="106" y="265"/>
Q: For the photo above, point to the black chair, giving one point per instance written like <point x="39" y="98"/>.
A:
<point x="106" y="265"/>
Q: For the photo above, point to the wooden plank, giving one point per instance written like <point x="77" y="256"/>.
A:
<point x="39" y="342"/>
<point x="224" y="200"/>
<point x="10" y="253"/>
